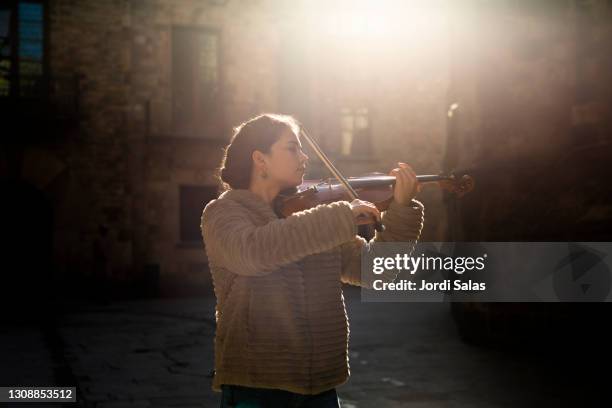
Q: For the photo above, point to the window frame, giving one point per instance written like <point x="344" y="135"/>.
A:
<point x="354" y="113"/>
<point x="201" y="132"/>
<point x="14" y="75"/>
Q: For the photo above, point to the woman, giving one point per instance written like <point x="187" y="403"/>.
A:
<point x="282" y="330"/>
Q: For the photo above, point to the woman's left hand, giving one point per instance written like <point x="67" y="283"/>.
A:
<point x="406" y="184"/>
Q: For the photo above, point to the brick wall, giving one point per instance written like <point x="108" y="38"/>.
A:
<point x="529" y="84"/>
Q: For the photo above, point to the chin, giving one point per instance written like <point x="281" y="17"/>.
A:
<point x="293" y="183"/>
<point x="292" y="180"/>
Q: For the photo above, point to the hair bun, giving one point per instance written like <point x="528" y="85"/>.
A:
<point x="224" y="174"/>
<point x="227" y="175"/>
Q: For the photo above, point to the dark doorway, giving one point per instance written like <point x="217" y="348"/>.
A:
<point x="27" y="262"/>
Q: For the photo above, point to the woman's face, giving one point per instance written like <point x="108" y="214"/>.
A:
<point x="286" y="162"/>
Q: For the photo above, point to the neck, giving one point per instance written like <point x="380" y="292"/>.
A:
<point x="265" y="191"/>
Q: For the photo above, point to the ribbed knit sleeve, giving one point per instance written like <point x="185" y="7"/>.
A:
<point x="233" y="240"/>
<point x="403" y="223"/>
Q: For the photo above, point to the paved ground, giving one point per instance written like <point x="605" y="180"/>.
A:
<point x="157" y="353"/>
<point x="31" y="356"/>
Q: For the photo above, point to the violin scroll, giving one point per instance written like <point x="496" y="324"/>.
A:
<point x="459" y="186"/>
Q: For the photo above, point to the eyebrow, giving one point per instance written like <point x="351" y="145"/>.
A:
<point x="295" y="143"/>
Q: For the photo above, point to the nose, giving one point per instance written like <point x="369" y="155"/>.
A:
<point x="304" y="157"/>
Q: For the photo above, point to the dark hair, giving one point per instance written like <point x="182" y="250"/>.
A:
<point x="258" y="133"/>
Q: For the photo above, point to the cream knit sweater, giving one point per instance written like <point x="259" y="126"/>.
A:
<point x="280" y="313"/>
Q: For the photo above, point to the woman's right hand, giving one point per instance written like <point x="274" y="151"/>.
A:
<point x="364" y="212"/>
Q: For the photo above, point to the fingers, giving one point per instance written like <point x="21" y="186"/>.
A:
<point x="374" y="212"/>
<point x="410" y="176"/>
<point x="403" y="169"/>
<point x="408" y="169"/>
<point x="365" y="212"/>
<point x="407" y="185"/>
<point x="366" y="218"/>
<point x="370" y="209"/>
<point x="403" y="175"/>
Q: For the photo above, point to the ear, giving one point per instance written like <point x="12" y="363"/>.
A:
<point x="258" y="159"/>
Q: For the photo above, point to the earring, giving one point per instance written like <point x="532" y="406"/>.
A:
<point x="264" y="174"/>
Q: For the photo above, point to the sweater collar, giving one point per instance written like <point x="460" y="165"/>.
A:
<point x="250" y="200"/>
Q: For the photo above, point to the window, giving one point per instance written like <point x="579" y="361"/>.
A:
<point x="22" y="38"/>
<point x="5" y="50"/>
<point x="355" y="132"/>
<point x="197" y="106"/>
<point x="193" y="199"/>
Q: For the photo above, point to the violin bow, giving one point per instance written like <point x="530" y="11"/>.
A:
<point x="336" y="173"/>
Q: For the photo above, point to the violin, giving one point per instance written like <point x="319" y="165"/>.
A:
<point x="376" y="188"/>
